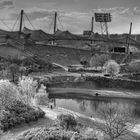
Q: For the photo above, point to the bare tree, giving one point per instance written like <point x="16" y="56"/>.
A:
<point x="134" y="69"/>
<point x="28" y="89"/>
<point x="94" y="61"/>
<point x="116" y="121"/>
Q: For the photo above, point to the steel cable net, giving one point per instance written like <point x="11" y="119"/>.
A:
<point x="15" y="22"/>
<point x="121" y="40"/>
<point x="5" y="24"/>
<point x="33" y="27"/>
<point x="24" y="19"/>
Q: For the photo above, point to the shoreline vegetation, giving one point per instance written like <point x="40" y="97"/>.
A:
<point x="95" y="82"/>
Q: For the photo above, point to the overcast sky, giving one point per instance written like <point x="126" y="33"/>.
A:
<point x="74" y="15"/>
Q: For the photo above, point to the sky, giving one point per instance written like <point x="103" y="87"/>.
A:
<point x="73" y="15"/>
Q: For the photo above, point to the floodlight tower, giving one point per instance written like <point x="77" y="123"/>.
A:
<point x="104" y="28"/>
<point x="103" y="19"/>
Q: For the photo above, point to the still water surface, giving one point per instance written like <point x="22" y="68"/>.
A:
<point x="89" y="107"/>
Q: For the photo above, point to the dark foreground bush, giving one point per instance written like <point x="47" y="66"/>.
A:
<point x="52" y="134"/>
<point x="16" y="113"/>
<point x="67" y="121"/>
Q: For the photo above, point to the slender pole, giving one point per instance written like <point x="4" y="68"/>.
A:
<point x="92" y="24"/>
<point x="130" y="31"/>
<point x="21" y="19"/>
<point x="55" y="21"/>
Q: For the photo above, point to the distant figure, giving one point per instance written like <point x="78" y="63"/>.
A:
<point x="51" y="106"/>
<point x="54" y="103"/>
<point x="96" y="94"/>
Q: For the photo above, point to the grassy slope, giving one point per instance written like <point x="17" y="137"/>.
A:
<point x="6" y="51"/>
<point x="61" y="55"/>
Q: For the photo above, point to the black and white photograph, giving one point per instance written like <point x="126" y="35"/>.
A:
<point x="69" y="69"/>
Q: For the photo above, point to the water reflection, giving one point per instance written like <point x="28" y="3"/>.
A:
<point x="83" y="104"/>
<point x="90" y="107"/>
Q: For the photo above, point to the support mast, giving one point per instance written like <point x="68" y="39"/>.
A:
<point x="55" y="21"/>
<point x="92" y="24"/>
<point x="92" y="27"/>
<point x="21" y="20"/>
<point x="130" y="31"/>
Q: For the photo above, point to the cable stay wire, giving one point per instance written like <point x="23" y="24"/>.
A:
<point x="29" y="21"/>
<point x="51" y="26"/>
<point x="5" y="24"/>
<point x="17" y="26"/>
<point x="23" y="21"/>
<point x="15" y="22"/>
<point x="60" y="23"/>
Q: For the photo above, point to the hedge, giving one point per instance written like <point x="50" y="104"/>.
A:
<point x="16" y="113"/>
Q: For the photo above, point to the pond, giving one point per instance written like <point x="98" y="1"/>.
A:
<point x="89" y="107"/>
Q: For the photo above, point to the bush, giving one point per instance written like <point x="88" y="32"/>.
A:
<point x="67" y="121"/>
<point x="7" y="136"/>
<point x="16" y="113"/>
<point x="42" y="99"/>
<point x="8" y="92"/>
<point x="112" y="67"/>
<point x="98" y="60"/>
<point x="52" y="134"/>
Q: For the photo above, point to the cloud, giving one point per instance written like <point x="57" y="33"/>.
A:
<point x="72" y="21"/>
<point x="114" y="10"/>
<point x="120" y="11"/>
<point x="6" y="4"/>
<point x="136" y="11"/>
<point x="35" y="13"/>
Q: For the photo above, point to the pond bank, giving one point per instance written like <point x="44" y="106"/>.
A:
<point x="53" y="113"/>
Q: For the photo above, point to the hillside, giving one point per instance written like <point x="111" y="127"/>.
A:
<point x="66" y="52"/>
<point x="61" y="55"/>
<point x="56" y="54"/>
